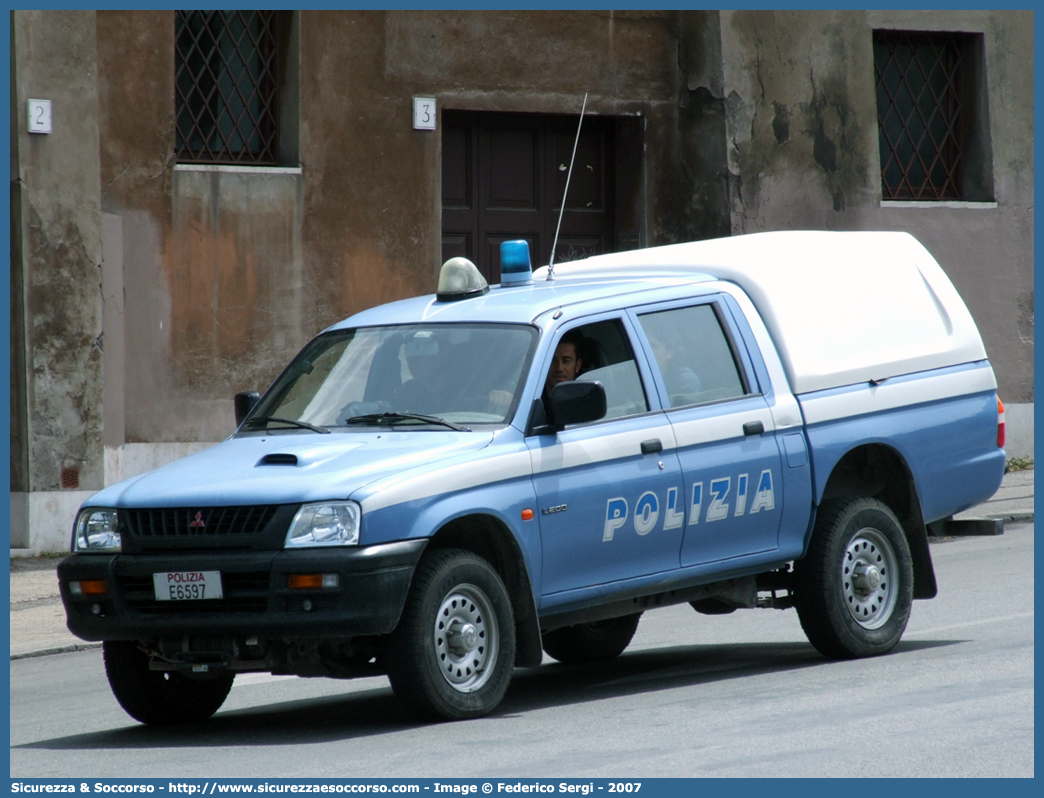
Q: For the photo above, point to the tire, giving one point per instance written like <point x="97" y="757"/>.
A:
<point x="160" y="698"/>
<point x="591" y="642"/>
<point x="854" y="588"/>
<point x="451" y="656"/>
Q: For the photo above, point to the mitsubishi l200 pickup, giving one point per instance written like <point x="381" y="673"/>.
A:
<point x="445" y="488"/>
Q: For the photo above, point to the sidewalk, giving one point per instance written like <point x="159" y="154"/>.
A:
<point x="38" y="620"/>
<point x="1012" y="502"/>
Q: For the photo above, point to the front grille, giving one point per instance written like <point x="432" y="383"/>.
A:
<point x="244" y="593"/>
<point x="181" y="522"/>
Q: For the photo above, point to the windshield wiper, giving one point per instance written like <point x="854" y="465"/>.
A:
<point x="302" y="424"/>
<point x="391" y="418"/>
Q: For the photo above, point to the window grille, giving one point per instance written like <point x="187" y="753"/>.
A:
<point x="225" y="87"/>
<point x="920" y="107"/>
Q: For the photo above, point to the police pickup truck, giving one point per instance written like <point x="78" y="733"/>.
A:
<point x="444" y="488"/>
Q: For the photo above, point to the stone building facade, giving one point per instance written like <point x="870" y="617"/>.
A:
<point x="151" y="281"/>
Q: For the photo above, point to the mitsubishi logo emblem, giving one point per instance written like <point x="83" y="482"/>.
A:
<point x="197" y="522"/>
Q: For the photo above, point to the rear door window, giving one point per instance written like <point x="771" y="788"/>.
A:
<point x="696" y="358"/>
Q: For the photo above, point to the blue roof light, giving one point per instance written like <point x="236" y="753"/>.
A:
<point x="515" y="268"/>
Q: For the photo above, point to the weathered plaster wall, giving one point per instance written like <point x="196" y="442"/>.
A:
<point x="233" y="271"/>
<point x="228" y="272"/>
<point x="211" y="268"/>
<point x="60" y="253"/>
<point x="19" y="431"/>
<point x="702" y="151"/>
<point x="136" y="125"/>
<point x="802" y="124"/>
<point x="369" y="179"/>
<point x="803" y="153"/>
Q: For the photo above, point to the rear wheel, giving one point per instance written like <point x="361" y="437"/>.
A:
<point x="591" y="642"/>
<point x="160" y="698"/>
<point x="452" y="654"/>
<point x="854" y="588"/>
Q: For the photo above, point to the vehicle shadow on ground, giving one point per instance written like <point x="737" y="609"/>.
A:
<point x="374" y="712"/>
<point x="654" y="670"/>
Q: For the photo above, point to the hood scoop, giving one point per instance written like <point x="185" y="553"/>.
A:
<point x="278" y="459"/>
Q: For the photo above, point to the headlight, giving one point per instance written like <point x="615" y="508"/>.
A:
<point x="326" y="524"/>
<point x="96" y="531"/>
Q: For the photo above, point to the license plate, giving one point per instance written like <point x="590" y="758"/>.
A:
<point x="187" y="585"/>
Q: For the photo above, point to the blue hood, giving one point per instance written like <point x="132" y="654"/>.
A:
<point x="287" y="468"/>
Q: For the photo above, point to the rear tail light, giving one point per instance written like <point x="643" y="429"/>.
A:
<point x="1000" y="423"/>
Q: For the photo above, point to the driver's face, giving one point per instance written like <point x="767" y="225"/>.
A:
<point x="564" y="367"/>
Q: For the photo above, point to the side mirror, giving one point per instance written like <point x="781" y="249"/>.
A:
<point x="245" y="402"/>
<point x="577" y="402"/>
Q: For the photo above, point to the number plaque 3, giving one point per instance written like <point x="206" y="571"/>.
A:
<point x="423" y="113"/>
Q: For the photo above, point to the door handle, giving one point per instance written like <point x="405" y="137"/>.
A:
<point x="651" y="447"/>
<point x="753" y="428"/>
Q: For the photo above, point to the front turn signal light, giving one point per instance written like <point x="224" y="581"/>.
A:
<point x="312" y="581"/>
<point x="89" y="587"/>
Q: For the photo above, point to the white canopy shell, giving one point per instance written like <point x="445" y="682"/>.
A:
<point x="843" y="307"/>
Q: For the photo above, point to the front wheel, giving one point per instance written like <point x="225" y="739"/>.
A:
<point x="451" y="655"/>
<point x="160" y="698"/>
<point x="854" y="588"/>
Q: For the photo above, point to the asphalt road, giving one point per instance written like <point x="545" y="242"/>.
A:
<point x="736" y="695"/>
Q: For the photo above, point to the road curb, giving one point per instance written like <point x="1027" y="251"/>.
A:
<point x="1008" y="518"/>
<point x="43" y="652"/>
<point x="1018" y="518"/>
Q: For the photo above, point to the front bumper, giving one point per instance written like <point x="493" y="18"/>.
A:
<point x="372" y="586"/>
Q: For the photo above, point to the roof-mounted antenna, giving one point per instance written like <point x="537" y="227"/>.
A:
<point x="565" y="193"/>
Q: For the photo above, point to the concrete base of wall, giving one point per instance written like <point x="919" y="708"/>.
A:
<point x="1018" y="422"/>
<point x="42" y="521"/>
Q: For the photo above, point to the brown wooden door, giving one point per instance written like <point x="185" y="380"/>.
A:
<point x="503" y="176"/>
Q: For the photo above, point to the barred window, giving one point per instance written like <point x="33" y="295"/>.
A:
<point x="930" y="117"/>
<point x="225" y="87"/>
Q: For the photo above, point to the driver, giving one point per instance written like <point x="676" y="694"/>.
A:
<point x="566" y="365"/>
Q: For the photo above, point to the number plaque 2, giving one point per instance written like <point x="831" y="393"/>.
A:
<point x="39" y="116"/>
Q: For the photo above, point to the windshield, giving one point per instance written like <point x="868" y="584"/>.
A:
<point x="443" y="375"/>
